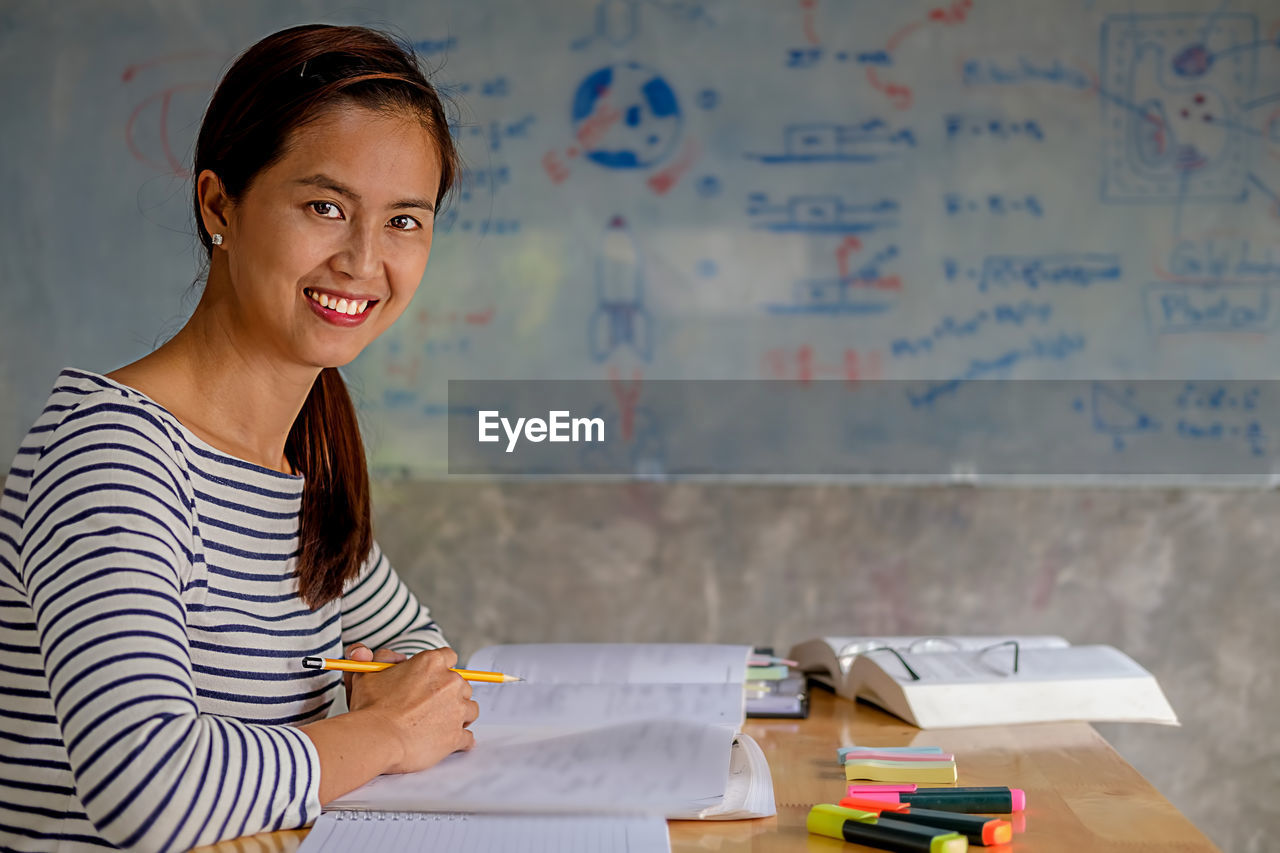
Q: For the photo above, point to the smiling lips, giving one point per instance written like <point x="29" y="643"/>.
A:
<point x="339" y="310"/>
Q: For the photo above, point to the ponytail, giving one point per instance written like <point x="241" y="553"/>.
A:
<point x="336" y="528"/>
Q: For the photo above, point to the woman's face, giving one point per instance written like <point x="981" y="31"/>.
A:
<point x="326" y="247"/>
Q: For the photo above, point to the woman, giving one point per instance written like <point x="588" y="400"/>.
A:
<point x="177" y="535"/>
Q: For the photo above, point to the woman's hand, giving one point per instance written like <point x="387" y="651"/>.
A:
<point x="359" y="651"/>
<point x="422" y="704"/>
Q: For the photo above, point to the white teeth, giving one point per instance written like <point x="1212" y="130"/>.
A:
<point x="350" y="307"/>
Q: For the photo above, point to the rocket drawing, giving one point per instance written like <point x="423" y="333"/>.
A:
<point x="620" y="317"/>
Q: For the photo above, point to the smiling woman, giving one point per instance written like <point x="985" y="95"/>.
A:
<point x="176" y="535"/>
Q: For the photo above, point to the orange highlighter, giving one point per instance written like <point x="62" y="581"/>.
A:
<point x="344" y="665"/>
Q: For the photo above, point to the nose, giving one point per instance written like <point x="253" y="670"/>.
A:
<point x="360" y="258"/>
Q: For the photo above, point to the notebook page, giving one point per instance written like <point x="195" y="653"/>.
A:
<point x="532" y="704"/>
<point x="617" y="663"/>
<point x="652" y="766"/>
<point x="338" y="832"/>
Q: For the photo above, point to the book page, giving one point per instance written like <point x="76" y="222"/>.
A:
<point x="846" y="649"/>
<point x="534" y="704"/>
<point x="652" y="767"/>
<point x="617" y="663"/>
<point x="341" y="832"/>
<point x="980" y="688"/>
<point x="996" y="664"/>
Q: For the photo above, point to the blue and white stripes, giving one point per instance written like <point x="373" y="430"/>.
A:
<point x="151" y="634"/>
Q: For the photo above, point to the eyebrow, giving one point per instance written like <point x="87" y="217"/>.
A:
<point x="333" y="185"/>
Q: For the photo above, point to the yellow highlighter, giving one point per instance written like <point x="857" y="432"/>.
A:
<point x="344" y="665"/>
<point x="866" y="828"/>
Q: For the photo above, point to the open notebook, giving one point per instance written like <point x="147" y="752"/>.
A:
<point x="624" y="728"/>
<point x="958" y="680"/>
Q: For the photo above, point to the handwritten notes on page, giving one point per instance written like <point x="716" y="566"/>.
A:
<point x="529" y="704"/>
<point x="651" y="767"/>
<point x="617" y="663"/>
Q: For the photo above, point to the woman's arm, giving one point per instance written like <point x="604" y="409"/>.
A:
<point x="379" y="610"/>
<point x="107" y="528"/>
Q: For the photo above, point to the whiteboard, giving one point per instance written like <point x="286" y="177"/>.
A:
<point x="808" y="192"/>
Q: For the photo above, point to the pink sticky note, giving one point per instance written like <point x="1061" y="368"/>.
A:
<point x="878" y="796"/>
<point x="901" y="788"/>
<point x="872" y="755"/>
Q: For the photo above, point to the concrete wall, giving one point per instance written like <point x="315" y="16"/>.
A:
<point x="1184" y="581"/>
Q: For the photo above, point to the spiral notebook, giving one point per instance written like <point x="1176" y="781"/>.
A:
<point x="392" y="832"/>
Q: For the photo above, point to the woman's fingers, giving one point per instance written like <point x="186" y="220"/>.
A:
<point x="445" y="655"/>
<point x="424" y="706"/>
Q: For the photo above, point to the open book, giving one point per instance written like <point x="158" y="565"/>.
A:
<point x="954" y="681"/>
<point x="636" y="728"/>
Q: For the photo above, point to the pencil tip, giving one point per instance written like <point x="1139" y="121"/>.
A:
<point x="514" y="678"/>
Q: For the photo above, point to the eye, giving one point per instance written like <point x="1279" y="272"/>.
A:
<point x="405" y="223"/>
<point x="327" y="209"/>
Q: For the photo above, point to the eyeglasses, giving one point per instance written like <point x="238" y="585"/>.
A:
<point x="1013" y="643"/>
<point x="855" y="650"/>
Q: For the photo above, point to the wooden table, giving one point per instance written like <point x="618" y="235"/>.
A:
<point x="1081" y="795"/>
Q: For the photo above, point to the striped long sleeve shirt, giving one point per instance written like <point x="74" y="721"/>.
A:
<point x="151" y="634"/>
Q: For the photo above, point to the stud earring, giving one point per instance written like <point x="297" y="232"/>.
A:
<point x="216" y="239"/>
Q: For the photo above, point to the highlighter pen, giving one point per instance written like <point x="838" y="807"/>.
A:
<point x="944" y="799"/>
<point x="850" y="825"/>
<point x="344" y="665"/>
<point x="869" y="805"/>
<point x="984" y="831"/>
<point x="1018" y="795"/>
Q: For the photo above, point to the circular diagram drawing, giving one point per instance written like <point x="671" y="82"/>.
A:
<point x="627" y="116"/>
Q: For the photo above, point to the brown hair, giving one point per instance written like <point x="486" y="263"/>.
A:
<point x="283" y="82"/>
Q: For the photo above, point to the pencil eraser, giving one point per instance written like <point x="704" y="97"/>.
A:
<point x="1019" y="798"/>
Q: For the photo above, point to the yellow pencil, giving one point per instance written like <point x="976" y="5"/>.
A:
<point x="345" y="665"/>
